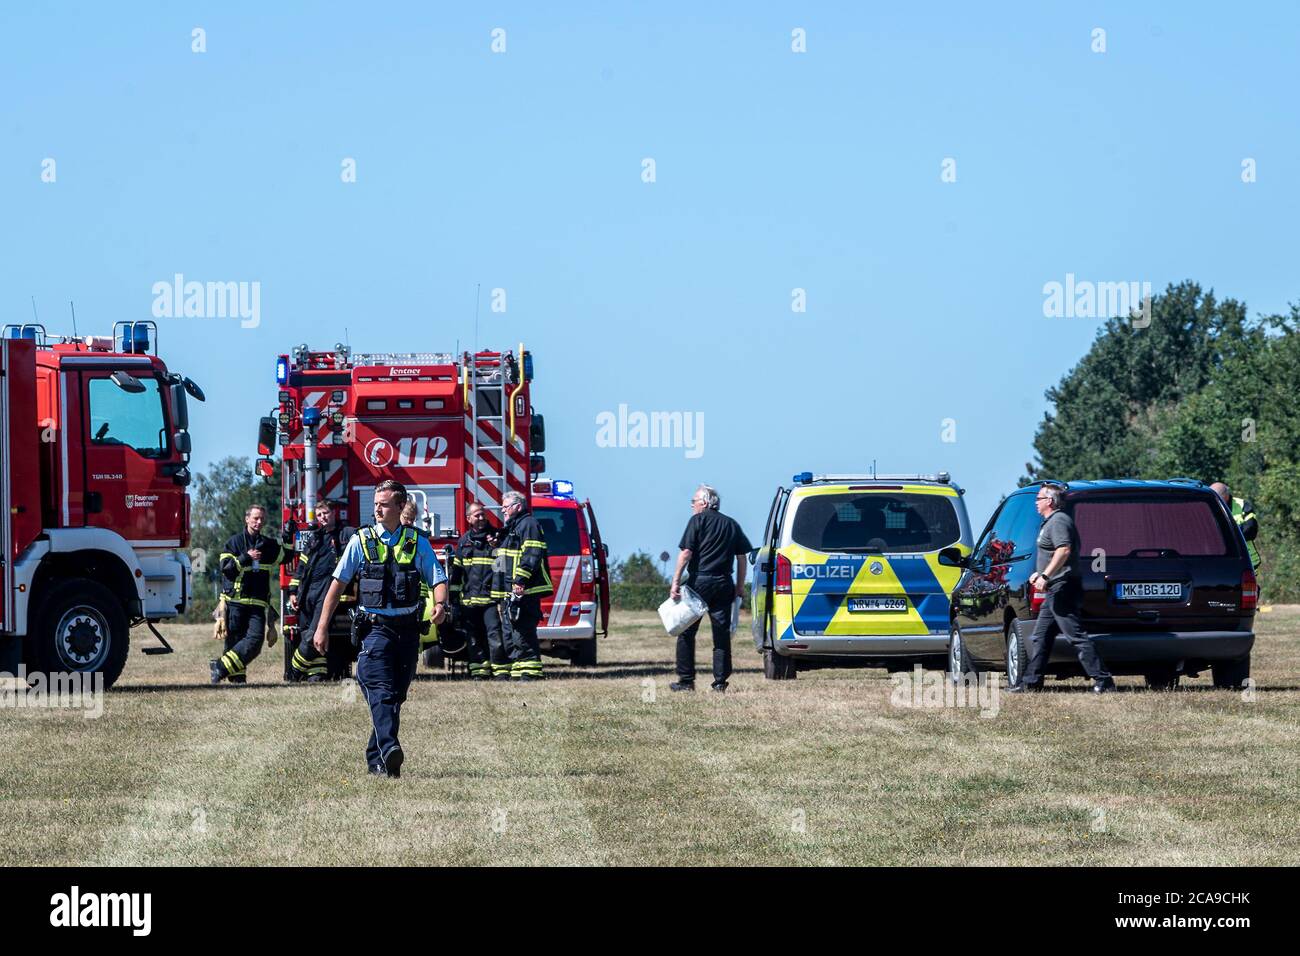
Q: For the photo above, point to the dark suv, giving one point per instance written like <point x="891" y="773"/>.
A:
<point x="1168" y="587"/>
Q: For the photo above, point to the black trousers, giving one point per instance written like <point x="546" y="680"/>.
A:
<point x="482" y="626"/>
<point x="1060" y="615"/>
<point x="719" y="592"/>
<point x="390" y="648"/>
<point x="338" y="657"/>
<point x="522" y="644"/>
<point x="245" y="634"/>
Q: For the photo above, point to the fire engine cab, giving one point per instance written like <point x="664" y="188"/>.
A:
<point x="578" y="562"/>
<point x="94" y="452"/>
<point x="452" y="429"/>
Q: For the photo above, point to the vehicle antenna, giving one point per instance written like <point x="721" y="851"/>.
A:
<point x="36" y="317"/>
<point x="477" y="287"/>
<point x="73" y="307"/>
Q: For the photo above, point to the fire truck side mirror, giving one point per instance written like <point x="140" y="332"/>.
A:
<point x="127" y="382"/>
<point x="537" y="434"/>
<point x="537" y="464"/>
<point x="265" y="467"/>
<point x="194" y="390"/>
<point x="266" y="435"/>
<point x="182" y="440"/>
<point x="180" y="409"/>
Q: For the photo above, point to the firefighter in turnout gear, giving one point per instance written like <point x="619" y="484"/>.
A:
<point x="246" y="563"/>
<point x="471" y="593"/>
<point x="390" y="561"/>
<point x="520" y="580"/>
<point x="307" y="589"/>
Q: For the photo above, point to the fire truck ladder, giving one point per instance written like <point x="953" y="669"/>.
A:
<point x="488" y="404"/>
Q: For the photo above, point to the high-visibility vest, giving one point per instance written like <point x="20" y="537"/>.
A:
<point x="389" y="579"/>
<point x="1241" y="516"/>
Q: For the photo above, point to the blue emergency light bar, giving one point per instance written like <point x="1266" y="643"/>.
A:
<point x="23" y="332"/>
<point x="282" y="369"/>
<point x="561" y="488"/>
<point x="133" y="337"/>
<point x="803" y="478"/>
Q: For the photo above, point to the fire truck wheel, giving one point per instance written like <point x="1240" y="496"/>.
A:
<point x="584" y="653"/>
<point x="82" y="627"/>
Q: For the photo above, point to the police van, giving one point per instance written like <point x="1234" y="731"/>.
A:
<point x="847" y="573"/>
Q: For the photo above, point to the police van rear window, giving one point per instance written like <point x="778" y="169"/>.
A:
<point x="1150" y="526"/>
<point x="560" y="529"/>
<point x="896" y="522"/>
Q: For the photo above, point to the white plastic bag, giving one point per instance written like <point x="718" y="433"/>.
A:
<point x="679" y="615"/>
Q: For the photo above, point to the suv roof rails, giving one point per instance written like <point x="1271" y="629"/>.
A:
<point x="1190" y="481"/>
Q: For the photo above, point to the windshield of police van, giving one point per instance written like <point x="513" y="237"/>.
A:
<point x="876" y="522"/>
<point x="560" y="530"/>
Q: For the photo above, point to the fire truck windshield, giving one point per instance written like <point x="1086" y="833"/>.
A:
<point x="134" y="419"/>
<point x="560" y="529"/>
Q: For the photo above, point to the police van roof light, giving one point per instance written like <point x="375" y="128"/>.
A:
<point x="803" y="478"/>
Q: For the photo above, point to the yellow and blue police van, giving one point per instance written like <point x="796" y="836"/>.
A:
<point x="847" y="573"/>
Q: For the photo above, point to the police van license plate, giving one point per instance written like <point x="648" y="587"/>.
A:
<point x="877" y="604"/>
<point x="1152" y="591"/>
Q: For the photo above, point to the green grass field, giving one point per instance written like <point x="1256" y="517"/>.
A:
<point x="608" y="766"/>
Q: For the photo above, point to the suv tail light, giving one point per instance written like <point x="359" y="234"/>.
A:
<point x="588" y="569"/>
<point x="1036" y="598"/>
<point x="1249" y="591"/>
<point x="783" y="575"/>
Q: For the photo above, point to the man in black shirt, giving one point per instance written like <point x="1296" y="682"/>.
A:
<point x="709" y="544"/>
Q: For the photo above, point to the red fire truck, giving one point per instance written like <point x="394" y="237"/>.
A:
<point x="94" y="452"/>
<point x="578" y="562"/>
<point x="453" y="429"/>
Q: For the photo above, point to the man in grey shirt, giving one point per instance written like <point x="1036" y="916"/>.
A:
<point x="1057" y="572"/>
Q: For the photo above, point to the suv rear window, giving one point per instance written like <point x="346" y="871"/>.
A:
<point x="1188" y="527"/>
<point x="876" y="522"/>
<point x="560" y="529"/>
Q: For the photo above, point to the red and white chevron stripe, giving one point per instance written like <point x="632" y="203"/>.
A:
<point x="334" y="481"/>
<point x="324" y="434"/>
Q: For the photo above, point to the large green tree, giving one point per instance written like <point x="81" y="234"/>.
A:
<point x="1107" y="412"/>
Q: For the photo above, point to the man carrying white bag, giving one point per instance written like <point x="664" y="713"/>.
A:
<point x="709" y="544"/>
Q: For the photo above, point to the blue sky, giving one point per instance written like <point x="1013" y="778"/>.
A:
<point x="774" y="170"/>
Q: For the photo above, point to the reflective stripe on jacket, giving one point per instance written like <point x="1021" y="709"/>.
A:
<point x="521" y="558"/>
<point x="240" y="581"/>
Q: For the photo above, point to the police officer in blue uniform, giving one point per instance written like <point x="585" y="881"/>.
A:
<point x="391" y="561"/>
